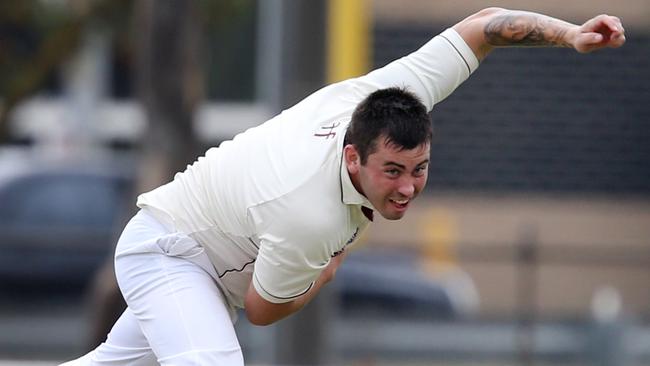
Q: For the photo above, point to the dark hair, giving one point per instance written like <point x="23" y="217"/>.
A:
<point x="395" y="113"/>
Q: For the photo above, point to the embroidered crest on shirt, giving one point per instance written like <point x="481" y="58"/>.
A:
<point x="328" y="132"/>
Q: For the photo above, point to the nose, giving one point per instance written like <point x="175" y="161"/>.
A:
<point x="406" y="188"/>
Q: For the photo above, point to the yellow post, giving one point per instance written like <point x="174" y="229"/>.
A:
<point x="348" y="39"/>
<point x="438" y="232"/>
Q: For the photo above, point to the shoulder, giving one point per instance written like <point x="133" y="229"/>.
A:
<point x="312" y="208"/>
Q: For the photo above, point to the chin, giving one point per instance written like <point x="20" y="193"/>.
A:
<point x="392" y="215"/>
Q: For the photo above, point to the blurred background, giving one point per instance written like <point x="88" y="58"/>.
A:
<point x="531" y="245"/>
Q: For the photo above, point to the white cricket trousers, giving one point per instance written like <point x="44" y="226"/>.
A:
<point x="176" y="314"/>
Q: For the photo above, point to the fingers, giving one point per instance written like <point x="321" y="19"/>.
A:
<point x="587" y="42"/>
<point x="592" y="38"/>
<point x="613" y="23"/>
<point x="617" y="38"/>
<point x="605" y="23"/>
<point x="601" y="31"/>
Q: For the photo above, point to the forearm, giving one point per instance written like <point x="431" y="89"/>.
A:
<point x="262" y="312"/>
<point x="521" y="28"/>
<point x="496" y="27"/>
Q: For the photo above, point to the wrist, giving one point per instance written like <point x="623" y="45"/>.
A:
<point x="571" y="36"/>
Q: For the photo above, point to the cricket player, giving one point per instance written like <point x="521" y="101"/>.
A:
<point x="262" y="222"/>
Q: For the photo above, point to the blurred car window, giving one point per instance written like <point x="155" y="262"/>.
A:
<point x="58" y="224"/>
<point x="60" y="200"/>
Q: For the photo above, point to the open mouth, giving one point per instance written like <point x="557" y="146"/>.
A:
<point x="401" y="203"/>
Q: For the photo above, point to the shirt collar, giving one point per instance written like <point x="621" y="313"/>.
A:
<point x="349" y="194"/>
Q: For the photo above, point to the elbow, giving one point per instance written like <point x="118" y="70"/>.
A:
<point x="487" y="12"/>
<point x="480" y="17"/>
<point x="258" y="318"/>
<point x="261" y="312"/>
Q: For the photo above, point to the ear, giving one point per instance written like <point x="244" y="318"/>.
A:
<point x="352" y="159"/>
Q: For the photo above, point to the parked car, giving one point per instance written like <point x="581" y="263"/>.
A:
<point x="57" y="219"/>
<point x="377" y="283"/>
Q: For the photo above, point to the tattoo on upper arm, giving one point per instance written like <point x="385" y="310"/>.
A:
<point x="524" y="29"/>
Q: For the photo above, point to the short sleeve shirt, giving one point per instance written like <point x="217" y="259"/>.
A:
<point x="275" y="204"/>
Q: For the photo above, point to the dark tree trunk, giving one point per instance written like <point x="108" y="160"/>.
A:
<point x="169" y="87"/>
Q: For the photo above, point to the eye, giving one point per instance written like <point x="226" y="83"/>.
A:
<point x="392" y="172"/>
<point x="420" y="170"/>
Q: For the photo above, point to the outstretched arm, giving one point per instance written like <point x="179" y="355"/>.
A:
<point x="496" y="27"/>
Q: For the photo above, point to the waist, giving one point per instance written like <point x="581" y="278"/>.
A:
<point x="163" y="218"/>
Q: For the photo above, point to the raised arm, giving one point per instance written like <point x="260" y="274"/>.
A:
<point x="496" y="27"/>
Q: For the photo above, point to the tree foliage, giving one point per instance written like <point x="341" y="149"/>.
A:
<point x="38" y="36"/>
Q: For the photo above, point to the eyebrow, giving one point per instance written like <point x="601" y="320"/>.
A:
<point x="388" y="163"/>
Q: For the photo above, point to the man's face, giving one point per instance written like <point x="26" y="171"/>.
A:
<point x="391" y="177"/>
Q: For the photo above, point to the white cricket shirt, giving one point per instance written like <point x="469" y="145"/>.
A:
<point x="276" y="203"/>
